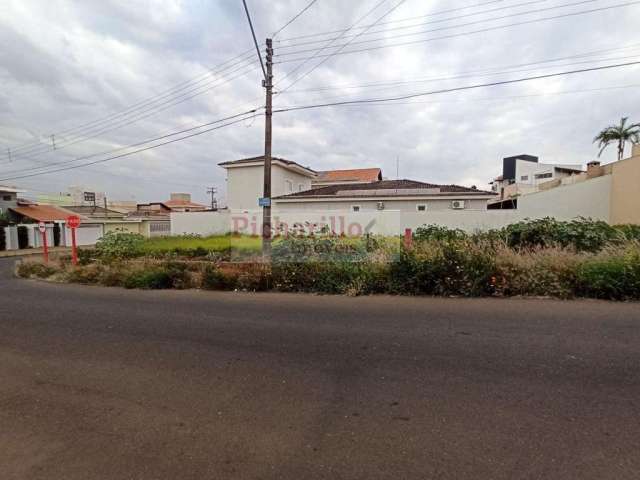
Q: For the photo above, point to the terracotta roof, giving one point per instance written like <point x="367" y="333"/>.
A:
<point x="91" y="210"/>
<point x="43" y="213"/>
<point x="183" y="203"/>
<point x="261" y="159"/>
<point x="358" y="174"/>
<point x="387" y="187"/>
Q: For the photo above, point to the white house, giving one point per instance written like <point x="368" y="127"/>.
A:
<point x="245" y="181"/>
<point x="523" y="174"/>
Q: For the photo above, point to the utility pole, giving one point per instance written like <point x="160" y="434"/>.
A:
<point x="9" y="154"/>
<point x="53" y="141"/>
<point x="214" y="203"/>
<point x="266" y="209"/>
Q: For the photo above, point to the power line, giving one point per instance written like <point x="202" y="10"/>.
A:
<point x="255" y="40"/>
<point x="228" y="64"/>
<point x="133" y="152"/>
<point x="305" y="61"/>
<point x="309" y="5"/>
<point x="244" y="116"/>
<point x="388" y="12"/>
<point x="148" y="112"/>
<point x="494" y="73"/>
<point x="465" y="74"/>
<point x="456" y="89"/>
<point x="392" y="21"/>
<point x="488" y="29"/>
<point x="404" y="27"/>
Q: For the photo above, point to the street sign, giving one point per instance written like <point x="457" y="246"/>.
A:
<point x="73" y="221"/>
<point x="42" y="227"/>
<point x="45" y="248"/>
<point x="264" y="202"/>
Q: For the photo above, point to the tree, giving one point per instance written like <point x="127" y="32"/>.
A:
<point x="620" y="134"/>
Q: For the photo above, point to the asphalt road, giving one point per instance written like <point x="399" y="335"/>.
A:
<point x="113" y="384"/>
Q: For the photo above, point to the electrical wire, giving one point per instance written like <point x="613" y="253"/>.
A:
<point x="405" y="27"/>
<point x="219" y="69"/>
<point x="295" y="17"/>
<point x="325" y="59"/>
<point x="456" y="89"/>
<point x="109" y="152"/>
<point x="472" y="32"/>
<point x="71" y="167"/>
<point x="255" y="41"/>
<point x="146" y="113"/>
<point x="392" y="21"/>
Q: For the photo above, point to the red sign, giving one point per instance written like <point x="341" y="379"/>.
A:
<point x="42" y="227"/>
<point x="73" y="221"/>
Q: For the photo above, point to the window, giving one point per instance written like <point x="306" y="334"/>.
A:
<point x="6" y="198"/>
<point x="421" y="208"/>
<point x="300" y="187"/>
<point x="524" y="178"/>
<point x="544" y="175"/>
<point x="355" y="208"/>
<point x="289" y="185"/>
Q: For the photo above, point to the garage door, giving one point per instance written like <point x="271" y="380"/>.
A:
<point x="86" y="234"/>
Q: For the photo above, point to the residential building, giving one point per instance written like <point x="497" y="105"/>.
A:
<point x="523" y="174"/>
<point x="397" y="195"/>
<point x="336" y="177"/>
<point x="8" y="198"/>
<point x="181" y="202"/>
<point x="245" y="180"/>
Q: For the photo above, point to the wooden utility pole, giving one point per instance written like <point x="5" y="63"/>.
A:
<point x="266" y="209"/>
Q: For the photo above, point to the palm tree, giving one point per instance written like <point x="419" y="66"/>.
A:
<point x="621" y="134"/>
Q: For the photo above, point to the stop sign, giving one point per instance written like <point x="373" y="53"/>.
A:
<point x="73" y="221"/>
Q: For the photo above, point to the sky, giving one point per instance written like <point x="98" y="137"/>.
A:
<point x="98" y="76"/>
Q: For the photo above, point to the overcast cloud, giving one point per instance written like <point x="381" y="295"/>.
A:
<point x="64" y="64"/>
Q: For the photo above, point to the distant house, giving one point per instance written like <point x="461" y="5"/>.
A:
<point x="181" y="202"/>
<point x="8" y="198"/>
<point x="245" y="180"/>
<point x="398" y="195"/>
<point x="29" y="213"/>
<point x="335" y="177"/>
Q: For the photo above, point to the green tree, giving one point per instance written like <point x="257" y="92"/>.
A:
<point x="620" y="134"/>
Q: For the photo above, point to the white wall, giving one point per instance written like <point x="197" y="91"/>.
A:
<point x="409" y="206"/>
<point x="590" y="199"/>
<point x="245" y="184"/>
<point x="387" y="222"/>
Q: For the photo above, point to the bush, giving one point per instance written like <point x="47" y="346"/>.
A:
<point x="56" y="234"/>
<point x="119" y="245"/>
<point x="214" y="279"/>
<point x="438" y="233"/>
<point x="34" y="270"/>
<point x="614" y="276"/>
<point x="3" y="240"/>
<point x="154" y="279"/>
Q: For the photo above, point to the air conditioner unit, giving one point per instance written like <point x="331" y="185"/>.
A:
<point x="457" y="204"/>
<point x="380" y="206"/>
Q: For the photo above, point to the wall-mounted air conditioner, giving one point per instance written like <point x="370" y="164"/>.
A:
<point x="380" y="206"/>
<point x="457" y="204"/>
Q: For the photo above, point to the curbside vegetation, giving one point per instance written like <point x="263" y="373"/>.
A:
<point x="581" y="259"/>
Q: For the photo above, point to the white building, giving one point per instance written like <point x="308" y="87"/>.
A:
<point x="523" y="174"/>
<point x="245" y="181"/>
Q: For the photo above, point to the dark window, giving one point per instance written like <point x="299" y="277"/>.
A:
<point x="544" y="175"/>
<point x="6" y="198"/>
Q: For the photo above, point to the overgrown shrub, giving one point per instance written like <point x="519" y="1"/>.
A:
<point x="3" y="239"/>
<point x="438" y="233"/>
<point x="34" y="270"/>
<point x="56" y="234"/>
<point x="214" y="279"/>
<point x="119" y="245"/>
<point x="611" y="275"/>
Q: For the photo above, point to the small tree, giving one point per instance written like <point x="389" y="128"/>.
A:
<point x="620" y="134"/>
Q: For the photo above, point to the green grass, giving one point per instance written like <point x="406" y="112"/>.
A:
<point x="217" y="243"/>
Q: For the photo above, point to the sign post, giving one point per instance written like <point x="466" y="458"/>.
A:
<point x="42" y="227"/>
<point x="73" y="222"/>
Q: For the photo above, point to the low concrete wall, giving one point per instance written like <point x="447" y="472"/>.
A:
<point x="387" y="222"/>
